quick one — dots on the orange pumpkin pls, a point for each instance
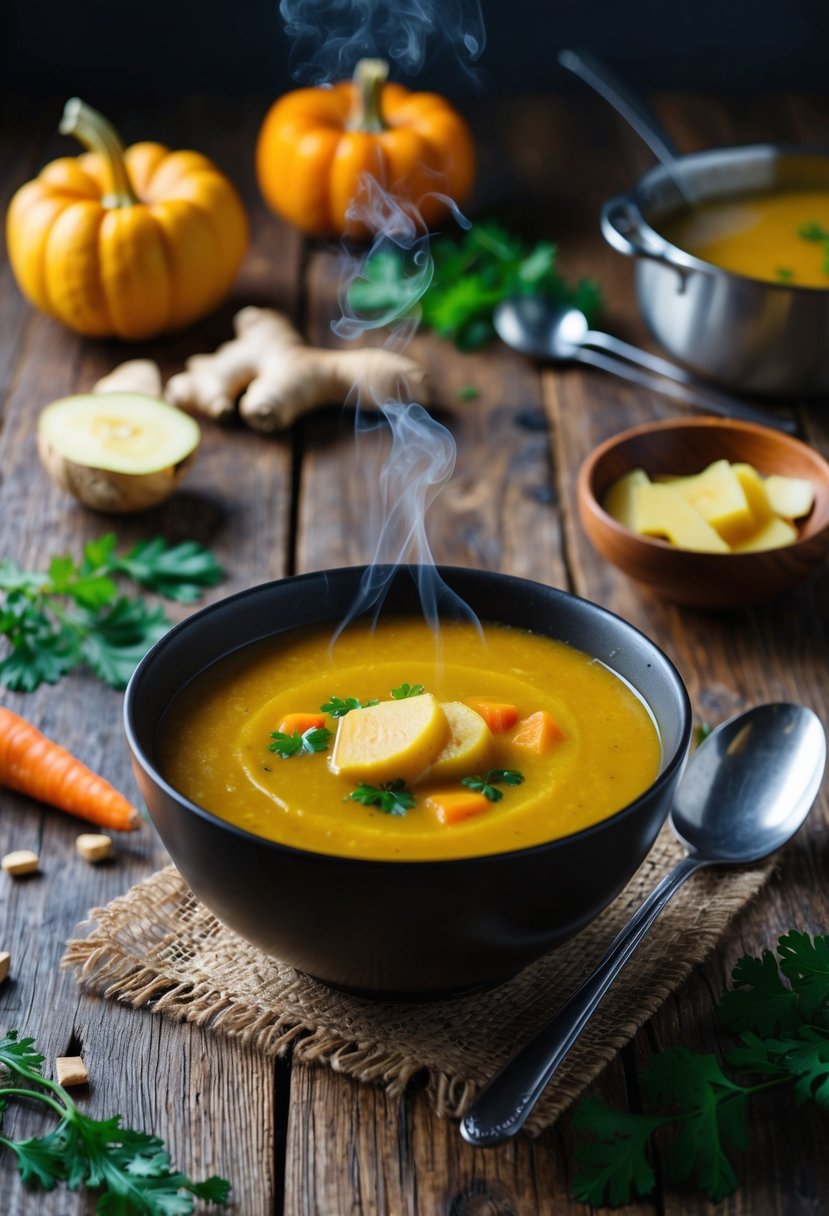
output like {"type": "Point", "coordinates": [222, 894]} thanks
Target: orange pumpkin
{"type": "Point", "coordinates": [128, 243]}
{"type": "Point", "coordinates": [317, 145]}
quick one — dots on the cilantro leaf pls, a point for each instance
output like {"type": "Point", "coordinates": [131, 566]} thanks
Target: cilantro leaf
{"type": "Point", "coordinates": [178, 572]}
{"type": "Point", "coordinates": [699, 1107]}
{"type": "Point", "coordinates": [130, 1169]}
{"type": "Point", "coordinates": [338, 707]}
{"type": "Point", "coordinates": [488, 785]}
{"type": "Point", "coordinates": [614, 1165]}
{"type": "Point", "coordinates": [805, 963]}
{"type": "Point", "coordinates": [295, 744]}
{"type": "Point", "coordinates": [471, 276]}
{"type": "Point", "coordinates": [404, 691]}
{"type": "Point", "coordinates": [115, 641]}
{"type": "Point", "coordinates": [710, 1108]}
{"type": "Point", "coordinates": [393, 798]}
{"type": "Point", "coordinates": [48, 637]}
{"type": "Point", "coordinates": [759, 1001]}
{"type": "Point", "coordinates": [808, 1062]}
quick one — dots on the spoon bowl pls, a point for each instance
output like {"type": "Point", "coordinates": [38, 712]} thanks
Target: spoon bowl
{"type": "Point", "coordinates": [745, 792]}
{"type": "Point", "coordinates": [559, 333]}
{"type": "Point", "coordinates": [748, 763]}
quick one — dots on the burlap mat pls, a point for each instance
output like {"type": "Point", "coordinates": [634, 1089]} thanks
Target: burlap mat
{"type": "Point", "coordinates": [159, 948]}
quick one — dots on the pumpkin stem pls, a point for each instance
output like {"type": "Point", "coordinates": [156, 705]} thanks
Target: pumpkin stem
{"type": "Point", "coordinates": [98, 134]}
{"type": "Point", "coordinates": [370, 76]}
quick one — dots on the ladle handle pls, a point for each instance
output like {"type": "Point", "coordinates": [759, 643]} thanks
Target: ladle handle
{"type": "Point", "coordinates": [673, 385]}
{"type": "Point", "coordinates": [502, 1108]}
{"type": "Point", "coordinates": [617, 93]}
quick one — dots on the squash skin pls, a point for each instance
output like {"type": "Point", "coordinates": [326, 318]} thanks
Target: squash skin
{"type": "Point", "coordinates": [310, 158]}
{"type": "Point", "coordinates": [142, 267]}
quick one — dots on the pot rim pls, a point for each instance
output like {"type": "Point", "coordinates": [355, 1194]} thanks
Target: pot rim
{"type": "Point", "coordinates": [680, 259]}
{"type": "Point", "coordinates": [140, 757]}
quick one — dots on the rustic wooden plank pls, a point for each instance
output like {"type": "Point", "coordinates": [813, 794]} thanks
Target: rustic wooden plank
{"type": "Point", "coordinates": [178, 1081]}
{"type": "Point", "coordinates": [496, 513]}
{"type": "Point", "coordinates": [777, 651]}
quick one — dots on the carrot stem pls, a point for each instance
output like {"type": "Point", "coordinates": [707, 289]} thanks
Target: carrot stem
{"type": "Point", "coordinates": [34, 765]}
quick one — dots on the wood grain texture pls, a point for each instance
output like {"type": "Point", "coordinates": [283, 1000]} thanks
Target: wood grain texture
{"type": "Point", "coordinates": [303, 1141]}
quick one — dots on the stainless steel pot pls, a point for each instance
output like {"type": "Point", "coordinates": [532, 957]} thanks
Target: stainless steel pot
{"type": "Point", "coordinates": [752, 336]}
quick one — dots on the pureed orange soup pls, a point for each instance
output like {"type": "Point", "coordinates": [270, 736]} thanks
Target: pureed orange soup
{"type": "Point", "coordinates": [546, 741]}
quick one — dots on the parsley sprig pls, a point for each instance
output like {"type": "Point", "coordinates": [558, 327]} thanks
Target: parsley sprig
{"type": "Point", "coordinates": [404, 691]}
{"type": "Point", "coordinates": [779, 1007]}
{"type": "Point", "coordinates": [488, 784]}
{"type": "Point", "coordinates": [75, 614]}
{"type": "Point", "coordinates": [338, 707]}
{"type": "Point", "coordinates": [308, 742]}
{"type": "Point", "coordinates": [393, 798]}
{"type": "Point", "coordinates": [130, 1170]}
{"type": "Point", "coordinates": [815, 232]}
{"type": "Point", "coordinates": [471, 277]}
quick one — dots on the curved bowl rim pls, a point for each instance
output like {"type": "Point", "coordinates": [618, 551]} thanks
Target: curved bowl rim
{"type": "Point", "coordinates": [586, 493]}
{"type": "Point", "coordinates": [663, 778]}
{"type": "Point", "coordinates": [690, 261]}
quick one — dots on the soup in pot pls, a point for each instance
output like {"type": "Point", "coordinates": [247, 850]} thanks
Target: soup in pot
{"type": "Point", "coordinates": [779, 237]}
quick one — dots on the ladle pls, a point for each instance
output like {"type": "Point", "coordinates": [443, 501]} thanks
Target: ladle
{"type": "Point", "coordinates": [745, 792]}
{"type": "Point", "coordinates": [539, 327]}
{"type": "Point", "coordinates": [631, 108]}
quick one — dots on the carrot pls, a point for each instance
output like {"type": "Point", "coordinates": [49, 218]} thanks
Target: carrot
{"type": "Point", "coordinates": [454, 807]}
{"type": "Point", "coordinates": [301, 722]}
{"type": "Point", "coordinates": [539, 733]}
{"type": "Point", "coordinates": [498, 715]}
{"type": "Point", "coordinates": [34, 765]}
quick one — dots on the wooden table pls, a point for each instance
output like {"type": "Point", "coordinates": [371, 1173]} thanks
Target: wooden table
{"type": "Point", "coordinates": [301, 1140]}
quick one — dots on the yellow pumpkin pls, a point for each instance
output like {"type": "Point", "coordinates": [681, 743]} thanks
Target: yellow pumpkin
{"type": "Point", "coordinates": [125, 243]}
{"type": "Point", "coordinates": [317, 146]}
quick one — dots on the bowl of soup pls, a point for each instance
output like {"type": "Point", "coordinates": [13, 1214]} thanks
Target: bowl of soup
{"type": "Point", "coordinates": [732, 264]}
{"type": "Point", "coordinates": [402, 808]}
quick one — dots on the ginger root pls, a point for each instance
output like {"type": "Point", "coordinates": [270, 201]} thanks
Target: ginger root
{"type": "Point", "coordinates": [134, 376]}
{"type": "Point", "coordinates": [280, 378]}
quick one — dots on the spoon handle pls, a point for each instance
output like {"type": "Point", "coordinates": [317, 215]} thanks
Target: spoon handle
{"type": "Point", "coordinates": [643, 372]}
{"type": "Point", "coordinates": [502, 1107]}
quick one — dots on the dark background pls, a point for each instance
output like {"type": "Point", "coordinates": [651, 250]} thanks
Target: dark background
{"type": "Point", "coordinates": [168, 48]}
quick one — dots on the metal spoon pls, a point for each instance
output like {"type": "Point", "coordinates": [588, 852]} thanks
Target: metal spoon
{"type": "Point", "coordinates": [630, 106]}
{"type": "Point", "coordinates": [547, 330]}
{"type": "Point", "coordinates": [745, 792]}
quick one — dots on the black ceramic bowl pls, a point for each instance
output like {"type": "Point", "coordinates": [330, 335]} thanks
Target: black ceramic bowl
{"type": "Point", "coordinates": [397, 929]}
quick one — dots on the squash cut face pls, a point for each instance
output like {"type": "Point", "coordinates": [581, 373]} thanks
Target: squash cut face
{"type": "Point", "coordinates": [122, 432]}
{"type": "Point", "coordinates": [116, 451]}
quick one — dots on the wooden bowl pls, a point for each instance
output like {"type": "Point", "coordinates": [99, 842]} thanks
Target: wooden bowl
{"type": "Point", "coordinates": [684, 446]}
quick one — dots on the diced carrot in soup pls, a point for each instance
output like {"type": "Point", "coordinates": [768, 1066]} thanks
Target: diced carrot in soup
{"type": "Point", "coordinates": [498, 715]}
{"type": "Point", "coordinates": [539, 733]}
{"type": "Point", "coordinates": [453, 806]}
{"type": "Point", "coordinates": [301, 723]}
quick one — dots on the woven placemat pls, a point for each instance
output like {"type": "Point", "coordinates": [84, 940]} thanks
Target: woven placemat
{"type": "Point", "coordinates": [158, 947]}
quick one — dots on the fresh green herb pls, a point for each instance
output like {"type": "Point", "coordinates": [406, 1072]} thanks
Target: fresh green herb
{"type": "Point", "coordinates": [130, 1170]}
{"type": "Point", "coordinates": [74, 613]}
{"type": "Point", "coordinates": [471, 277]}
{"type": "Point", "coordinates": [338, 707]}
{"type": "Point", "coordinates": [783, 1029]}
{"type": "Point", "coordinates": [702, 732]}
{"type": "Point", "coordinates": [467, 392]}
{"type": "Point", "coordinates": [308, 743]}
{"type": "Point", "coordinates": [813, 231]}
{"type": "Point", "coordinates": [406, 690]}
{"type": "Point", "coordinates": [392, 797]}
{"type": "Point", "coordinates": [488, 785]}
{"type": "Point", "coordinates": [784, 273]}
